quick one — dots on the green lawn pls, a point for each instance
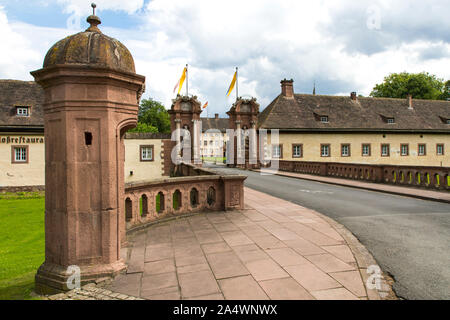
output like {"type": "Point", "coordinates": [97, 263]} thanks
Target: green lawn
{"type": "Point", "coordinates": [22, 243]}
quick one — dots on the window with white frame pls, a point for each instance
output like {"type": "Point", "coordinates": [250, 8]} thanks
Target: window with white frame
{"type": "Point", "coordinates": [276, 151]}
{"type": "Point", "coordinates": [385, 150]}
{"type": "Point", "coordinates": [422, 150]}
{"type": "Point", "coordinates": [146, 153]}
{"type": "Point", "coordinates": [20, 154]}
{"type": "Point", "coordinates": [297, 151]}
{"type": "Point", "coordinates": [404, 149]}
{"type": "Point", "coordinates": [390, 120]}
{"type": "Point", "coordinates": [23, 111]}
{"type": "Point", "coordinates": [325, 150]}
{"type": "Point", "coordinates": [324, 119]}
{"type": "Point", "coordinates": [440, 149]}
{"type": "Point", "coordinates": [345, 150]}
{"type": "Point", "coordinates": [366, 150]}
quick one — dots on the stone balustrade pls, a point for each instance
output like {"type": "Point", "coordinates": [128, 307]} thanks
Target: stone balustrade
{"type": "Point", "coordinates": [201, 190]}
{"type": "Point", "coordinates": [425, 177]}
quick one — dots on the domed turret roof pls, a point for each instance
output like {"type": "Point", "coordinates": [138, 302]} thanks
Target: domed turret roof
{"type": "Point", "coordinates": [91, 48]}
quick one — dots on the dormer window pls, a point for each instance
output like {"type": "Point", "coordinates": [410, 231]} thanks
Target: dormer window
{"type": "Point", "coordinates": [448, 121]}
{"type": "Point", "coordinates": [324, 119]}
{"type": "Point", "coordinates": [390, 120]}
{"type": "Point", "coordinates": [23, 111]}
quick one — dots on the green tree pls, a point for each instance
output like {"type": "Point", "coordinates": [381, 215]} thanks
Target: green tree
{"type": "Point", "coordinates": [153, 115]}
{"type": "Point", "coordinates": [143, 127]}
{"type": "Point", "coordinates": [446, 93]}
{"type": "Point", "coordinates": [419, 85]}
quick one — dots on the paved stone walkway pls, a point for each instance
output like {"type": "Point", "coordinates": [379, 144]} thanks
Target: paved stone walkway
{"type": "Point", "coordinates": [398, 190]}
{"type": "Point", "coordinates": [273, 249]}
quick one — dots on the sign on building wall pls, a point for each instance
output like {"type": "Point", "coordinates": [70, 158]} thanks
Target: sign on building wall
{"type": "Point", "coordinates": [20, 140]}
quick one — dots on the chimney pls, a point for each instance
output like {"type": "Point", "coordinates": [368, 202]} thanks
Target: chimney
{"type": "Point", "coordinates": [353, 95]}
{"type": "Point", "coordinates": [410, 102]}
{"type": "Point", "coordinates": [216, 116]}
{"type": "Point", "coordinates": [287, 88]}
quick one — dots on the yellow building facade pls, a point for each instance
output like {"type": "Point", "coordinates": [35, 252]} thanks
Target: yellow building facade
{"type": "Point", "coordinates": [143, 161]}
{"type": "Point", "coordinates": [22, 160]}
{"type": "Point", "coordinates": [418, 149]}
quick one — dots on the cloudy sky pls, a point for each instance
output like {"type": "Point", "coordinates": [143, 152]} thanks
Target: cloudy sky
{"type": "Point", "coordinates": [342, 45]}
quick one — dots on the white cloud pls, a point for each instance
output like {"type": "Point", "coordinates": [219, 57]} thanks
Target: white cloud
{"type": "Point", "coordinates": [17, 54]}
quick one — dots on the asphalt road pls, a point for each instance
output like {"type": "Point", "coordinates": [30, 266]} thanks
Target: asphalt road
{"type": "Point", "coordinates": [409, 238]}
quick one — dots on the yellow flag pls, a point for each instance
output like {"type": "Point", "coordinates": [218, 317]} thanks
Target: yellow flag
{"type": "Point", "coordinates": [179, 84]}
{"type": "Point", "coordinates": [233, 83]}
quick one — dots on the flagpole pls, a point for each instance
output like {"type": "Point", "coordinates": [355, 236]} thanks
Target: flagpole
{"type": "Point", "coordinates": [237, 84]}
{"type": "Point", "coordinates": [187, 80]}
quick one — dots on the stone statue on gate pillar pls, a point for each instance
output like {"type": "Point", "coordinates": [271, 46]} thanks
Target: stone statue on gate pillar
{"type": "Point", "coordinates": [92, 95]}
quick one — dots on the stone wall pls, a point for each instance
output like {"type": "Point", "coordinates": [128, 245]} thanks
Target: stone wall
{"type": "Point", "coordinates": [417, 176]}
{"type": "Point", "coordinates": [22, 189]}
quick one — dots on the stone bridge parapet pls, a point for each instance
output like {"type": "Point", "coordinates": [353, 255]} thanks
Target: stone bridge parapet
{"type": "Point", "coordinates": [417, 176]}
{"type": "Point", "coordinates": [192, 190]}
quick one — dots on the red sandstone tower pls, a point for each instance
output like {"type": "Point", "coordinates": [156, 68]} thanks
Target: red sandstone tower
{"type": "Point", "coordinates": [243, 116]}
{"type": "Point", "coordinates": [92, 94]}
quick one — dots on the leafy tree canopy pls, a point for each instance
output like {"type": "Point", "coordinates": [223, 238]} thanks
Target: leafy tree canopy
{"type": "Point", "coordinates": [153, 117]}
{"type": "Point", "coordinates": [143, 127]}
{"type": "Point", "coordinates": [419, 85]}
{"type": "Point", "coordinates": [446, 93]}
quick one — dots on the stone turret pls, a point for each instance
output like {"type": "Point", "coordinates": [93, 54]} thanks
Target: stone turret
{"type": "Point", "coordinates": [92, 96]}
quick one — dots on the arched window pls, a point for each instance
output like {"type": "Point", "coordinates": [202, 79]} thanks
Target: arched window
{"type": "Point", "coordinates": [176, 198]}
{"type": "Point", "coordinates": [143, 205]}
{"type": "Point", "coordinates": [211, 196]}
{"type": "Point", "coordinates": [437, 179]}
{"type": "Point", "coordinates": [194, 198]}
{"type": "Point", "coordinates": [160, 202]}
{"type": "Point", "coordinates": [128, 209]}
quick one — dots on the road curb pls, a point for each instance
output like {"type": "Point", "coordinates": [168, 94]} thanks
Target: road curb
{"type": "Point", "coordinates": [364, 260]}
{"type": "Point", "coordinates": [421, 197]}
